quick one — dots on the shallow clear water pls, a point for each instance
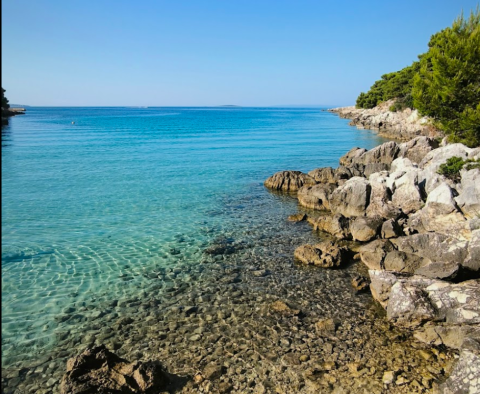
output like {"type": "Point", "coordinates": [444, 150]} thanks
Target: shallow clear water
{"type": "Point", "coordinates": [90, 210]}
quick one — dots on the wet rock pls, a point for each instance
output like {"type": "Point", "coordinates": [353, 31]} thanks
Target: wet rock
{"type": "Point", "coordinates": [316, 197]}
{"type": "Point", "coordinates": [97, 370]}
{"type": "Point", "coordinates": [336, 225]}
{"type": "Point", "coordinates": [325, 326]}
{"type": "Point", "coordinates": [283, 308]}
{"type": "Point", "coordinates": [323, 175]}
{"type": "Point", "coordinates": [213, 371]}
{"type": "Point", "coordinates": [299, 217]}
{"type": "Point", "coordinates": [289, 181]}
{"type": "Point", "coordinates": [360, 283]}
{"type": "Point", "coordinates": [364, 229]}
{"type": "Point", "coordinates": [352, 198]}
{"type": "Point", "coordinates": [326, 254]}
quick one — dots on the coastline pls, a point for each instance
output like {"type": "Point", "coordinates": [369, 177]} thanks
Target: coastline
{"type": "Point", "coordinates": [400, 125]}
{"type": "Point", "coordinates": [419, 232]}
{"type": "Point", "coordinates": [246, 319]}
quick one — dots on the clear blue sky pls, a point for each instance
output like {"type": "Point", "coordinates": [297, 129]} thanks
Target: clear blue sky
{"type": "Point", "coordinates": [195, 53]}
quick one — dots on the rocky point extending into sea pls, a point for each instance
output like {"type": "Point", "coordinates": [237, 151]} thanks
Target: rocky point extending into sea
{"type": "Point", "coordinates": [416, 231]}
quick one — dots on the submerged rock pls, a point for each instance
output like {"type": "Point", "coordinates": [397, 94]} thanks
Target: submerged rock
{"type": "Point", "coordinates": [97, 370]}
{"type": "Point", "coordinates": [326, 254]}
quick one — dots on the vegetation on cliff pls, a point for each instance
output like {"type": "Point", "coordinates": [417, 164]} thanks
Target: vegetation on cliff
{"type": "Point", "coordinates": [444, 84]}
{"type": "Point", "coordinates": [5, 104]}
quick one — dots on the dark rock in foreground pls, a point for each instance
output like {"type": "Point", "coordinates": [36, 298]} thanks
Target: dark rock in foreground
{"type": "Point", "coordinates": [97, 370]}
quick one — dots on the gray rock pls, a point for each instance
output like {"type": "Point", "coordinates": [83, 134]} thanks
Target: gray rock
{"type": "Point", "coordinates": [407, 195]}
{"type": "Point", "coordinates": [374, 253]}
{"type": "Point", "coordinates": [408, 306]}
{"type": "Point", "coordinates": [384, 153]}
{"type": "Point", "coordinates": [336, 225]}
{"type": "Point", "coordinates": [472, 260]}
{"type": "Point", "coordinates": [288, 181]}
{"type": "Point", "coordinates": [316, 197]}
{"type": "Point", "coordinates": [373, 168]}
{"type": "Point", "coordinates": [417, 148]}
{"type": "Point", "coordinates": [352, 198]}
{"type": "Point", "coordinates": [352, 154]}
{"type": "Point", "coordinates": [469, 198]}
{"type": "Point", "coordinates": [323, 175]}
{"type": "Point", "coordinates": [391, 229]}
{"type": "Point", "coordinates": [326, 254]}
{"type": "Point", "coordinates": [441, 213]}
{"type": "Point", "coordinates": [464, 377]}
{"type": "Point", "coordinates": [364, 229]}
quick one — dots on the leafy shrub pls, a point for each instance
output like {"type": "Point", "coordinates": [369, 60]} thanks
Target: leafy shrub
{"type": "Point", "coordinates": [452, 167]}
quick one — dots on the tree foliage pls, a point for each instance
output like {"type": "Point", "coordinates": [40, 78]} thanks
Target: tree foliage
{"type": "Point", "coordinates": [5, 104]}
{"type": "Point", "coordinates": [444, 84]}
{"type": "Point", "coordinates": [447, 86]}
{"type": "Point", "coordinates": [393, 85]}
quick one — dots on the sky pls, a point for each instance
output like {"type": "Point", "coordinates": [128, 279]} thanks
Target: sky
{"type": "Point", "coordinates": [208, 53]}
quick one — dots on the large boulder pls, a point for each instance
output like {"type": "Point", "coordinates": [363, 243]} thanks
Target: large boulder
{"type": "Point", "coordinates": [289, 181]}
{"type": "Point", "coordinates": [364, 229]}
{"type": "Point", "coordinates": [406, 192]}
{"type": "Point", "coordinates": [351, 155]}
{"type": "Point", "coordinates": [384, 153]}
{"type": "Point", "coordinates": [316, 196]}
{"type": "Point", "coordinates": [408, 306]}
{"type": "Point", "coordinates": [469, 198]}
{"type": "Point", "coordinates": [326, 254]}
{"type": "Point", "coordinates": [381, 204]}
{"type": "Point", "coordinates": [454, 303]}
{"type": "Point", "coordinates": [97, 370]}
{"type": "Point", "coordinates": [417, 148]}
{"type": "Point", "coordinates": [352, 198]}
{"type": "Point", "coordinates": [429, 177]}
{"type": "Point", "coordinates": [323, 175]}
{"type": "Point", "coordinates": [336, 225]}
{"type": "Point", "coordinates": [441, 213]}
{"type": "Point", "coordinates": [472, 260]}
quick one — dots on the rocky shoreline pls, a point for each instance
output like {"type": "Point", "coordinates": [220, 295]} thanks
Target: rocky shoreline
{"type": "Point", "coordinates": [9, 112]}
{"type": "Point", "coordinates": [248, 319]}
{"type": "Point", "coordinates": [399, 125]}
{"type": "Point", "coordinates": [417, 233]}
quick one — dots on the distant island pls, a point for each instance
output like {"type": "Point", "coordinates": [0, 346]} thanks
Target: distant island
{"type": "Point", "coordinates": [230, 105]}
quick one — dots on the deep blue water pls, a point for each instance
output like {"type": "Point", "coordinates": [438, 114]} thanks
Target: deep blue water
{"type": "Point", "coordinates": [89, 206]}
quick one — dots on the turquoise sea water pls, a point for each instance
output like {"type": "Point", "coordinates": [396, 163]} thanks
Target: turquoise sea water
{"type": "Point", "coordinates": [90, 209]}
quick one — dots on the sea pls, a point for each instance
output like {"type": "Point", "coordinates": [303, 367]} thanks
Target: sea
{"type": "Point", "coordinates": [99, 202]}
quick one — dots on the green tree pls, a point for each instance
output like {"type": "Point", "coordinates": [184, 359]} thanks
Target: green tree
{"type": "Point", "coordinates": [393, 85]}
{"type": "Point", "coordinates": [5, 104]}
{"type": "Point", "coordinates": [447, 85]}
